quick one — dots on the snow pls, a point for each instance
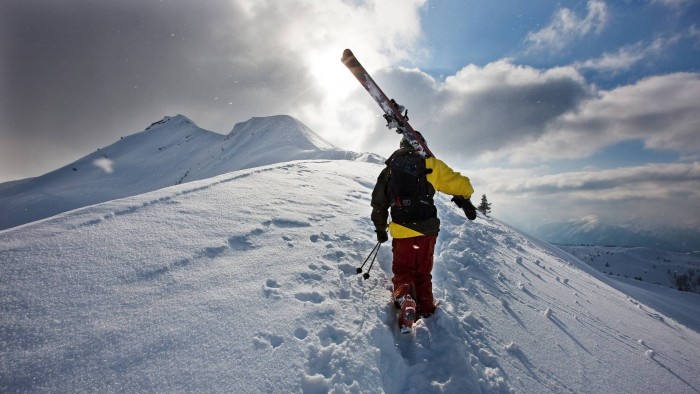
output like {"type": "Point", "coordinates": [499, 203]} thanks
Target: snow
{"type": "Point", "coordinates": [644, 264]}
{"type": "Point", "coordinates": [648, 275]}
{"type": "Point", "coordinates": [246, 282]}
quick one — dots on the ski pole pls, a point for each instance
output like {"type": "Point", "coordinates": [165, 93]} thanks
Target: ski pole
{"type": "Point", "coordinates": [359, 269]}
{"type": "Point", "coordinates": [366, 275]}
{"type": "Point", "coordinates": [374, 251]}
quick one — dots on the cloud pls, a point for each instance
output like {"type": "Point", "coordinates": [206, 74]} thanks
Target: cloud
{"type": "Point", "coordinates": [694, 34]}
{"type": "Point", "coordinates": [629, 55]}
{"type": "Point", "coordinates": [623, 59]}
{"type": "Point", "coordinates": [663, 111]}
{"type": "Point", "coordinates": [502, 105]}
{"type": "Point", "coordinates": [524, 115]}
{"type": "Point", "coordinates": [655, 180]}
{"type": "Point", "coordinates": [566, 26]}
{"type": "Point", "coordinates": [648, 194]}
{"type": "Point", "coordinates": [677, 5]}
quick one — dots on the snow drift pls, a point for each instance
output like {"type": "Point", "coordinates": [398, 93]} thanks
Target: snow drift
{"type": "Point", "coordinates": [245, 282]}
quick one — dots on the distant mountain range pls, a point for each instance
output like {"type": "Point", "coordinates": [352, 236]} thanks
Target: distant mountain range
{"type": "Point", "coordinates": [171, 151]}
{"type": "Point", "coordinates": [591, 231]}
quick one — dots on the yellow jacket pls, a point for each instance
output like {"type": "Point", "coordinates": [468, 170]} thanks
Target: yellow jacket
{"type": "Point", "coordinates": [439, 175]}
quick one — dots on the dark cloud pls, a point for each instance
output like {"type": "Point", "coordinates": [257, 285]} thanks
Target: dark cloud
{"type": "Point", "coordinates": [79, 74]}
{"type": "Point", "coordinates": [505, 116]}
{"type": "Point", "coordinates": [498, 107]}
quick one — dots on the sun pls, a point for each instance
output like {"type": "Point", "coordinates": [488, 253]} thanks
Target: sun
{"type": "Point", "coordinates": [331, 76]}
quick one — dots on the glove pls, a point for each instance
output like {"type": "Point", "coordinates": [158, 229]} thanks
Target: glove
{"type": "Point", "coordinates": [382, 236]}
{"type": "Point", "coordinates": [466, 205]}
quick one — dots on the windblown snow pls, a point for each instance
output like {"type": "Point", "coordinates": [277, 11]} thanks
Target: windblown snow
{"type": "Point", "coordinates": [246, 282]}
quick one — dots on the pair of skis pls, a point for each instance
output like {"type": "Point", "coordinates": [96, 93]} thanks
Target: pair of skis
{"type": "Point", "coordinates": [392, 111]}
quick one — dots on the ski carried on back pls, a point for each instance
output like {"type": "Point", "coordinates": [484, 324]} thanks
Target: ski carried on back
{"type": "Point", "coordinates": [397, 117]}
{"type": "Point", "coordinates": [392, 111]}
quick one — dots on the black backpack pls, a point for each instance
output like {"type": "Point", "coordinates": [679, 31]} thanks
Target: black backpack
{"type": "Point", "coordinates": [410, 193]}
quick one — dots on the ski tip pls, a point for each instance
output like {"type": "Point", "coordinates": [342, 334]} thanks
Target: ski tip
{"type": "Point", "coordinates": [347, 54]}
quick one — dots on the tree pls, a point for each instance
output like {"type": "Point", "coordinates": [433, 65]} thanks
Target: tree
{"type": "Point", "coordinates": [485, 206]}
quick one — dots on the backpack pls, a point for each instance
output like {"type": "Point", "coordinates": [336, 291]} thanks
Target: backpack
{"type": "Point", "coordinates": [410, 194]}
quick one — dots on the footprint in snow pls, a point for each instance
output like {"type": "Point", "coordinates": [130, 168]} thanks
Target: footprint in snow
{"type": "Point", "coordinates": [324, 267]}
{"type": "Point", "coordinates": [308, 276]}
{"type": "Point", "coordinates": [244, 241]}
{"type": "Point", "coordinates": [272, 283]}
{"type": "Point", "coordinates": [214, 251]}
{"type": "Point", "coordinates": [270, 289]}
{"type": "Point", "coordinates": [264, 340]}
{"type": "Point", "coordinates": [331, 335]}
{"type": "Point", "coordinates": [300, 333]}
{"type": "Point", "coordinates": [312, 276]}
{"type": "Point", "coordinates": [286, 223]}
{"type": "Point", "coordinates": [314, 297]}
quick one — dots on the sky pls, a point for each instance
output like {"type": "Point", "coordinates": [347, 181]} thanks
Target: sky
{"type": "Point", "coordinates": [555, 110]}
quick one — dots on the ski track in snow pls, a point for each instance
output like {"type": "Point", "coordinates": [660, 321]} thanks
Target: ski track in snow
{"type": "Point", "coordinates": [213, 285]}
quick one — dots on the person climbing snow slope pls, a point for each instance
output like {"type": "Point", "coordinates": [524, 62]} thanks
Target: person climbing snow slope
{"type": "Point", "coordinates": [405, 188]}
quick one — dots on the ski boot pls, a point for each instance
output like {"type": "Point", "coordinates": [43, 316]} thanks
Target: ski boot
{"type": "Point", "coordinates": [407, 313]}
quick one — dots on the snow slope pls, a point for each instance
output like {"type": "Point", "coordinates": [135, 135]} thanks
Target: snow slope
{"type": "Point", "coordinates": [648, 265]}
{"type": "Point", "coordinates": [171, 151]}
{"type": "Point", "coordinates": [246, 282]}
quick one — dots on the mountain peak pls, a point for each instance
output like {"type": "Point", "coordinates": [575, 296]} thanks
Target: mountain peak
{"type": "Point", "coordinates": [171, 121]}
{"type": "Point", "coordinates": [278, 131]}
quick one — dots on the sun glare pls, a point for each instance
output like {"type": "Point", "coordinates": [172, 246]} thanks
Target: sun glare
{"type": "Point", "coordinates": [331, 76]}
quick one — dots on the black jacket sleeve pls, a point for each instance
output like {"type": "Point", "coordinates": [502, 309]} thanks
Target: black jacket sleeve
{"type": "Point", "coordinates": [380, 201]}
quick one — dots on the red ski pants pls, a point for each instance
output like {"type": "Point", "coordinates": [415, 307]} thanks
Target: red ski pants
{"type": "Point", "coordinates": [412, 267]}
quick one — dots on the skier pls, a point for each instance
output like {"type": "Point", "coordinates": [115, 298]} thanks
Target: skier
{"type": "Point", "coordinates": [406, 187]}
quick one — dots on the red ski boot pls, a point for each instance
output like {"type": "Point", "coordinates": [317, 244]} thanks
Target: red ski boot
{"type": "Point", "coordinates": [407, 314]}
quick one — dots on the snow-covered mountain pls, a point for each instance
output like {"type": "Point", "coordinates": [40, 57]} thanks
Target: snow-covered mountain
{"type": "Point", "coordinates": [591, 231]}
{"type": "Point", "coordinates": [171, 151]}
{"type": "Point", "coordinates": [679, 271]}
{"type": "Point", "coordinates": [246, 282]}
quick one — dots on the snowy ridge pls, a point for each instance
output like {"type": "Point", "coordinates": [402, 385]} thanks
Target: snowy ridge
{"type": "Point", "coordinates": [171, 151]}
{"type": "Point", "coordinates": [284, 139]}
{"type": "Point", "coordinates": [281, 131]}
{"type": "Point", "coordinates": [247, 280]}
